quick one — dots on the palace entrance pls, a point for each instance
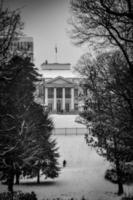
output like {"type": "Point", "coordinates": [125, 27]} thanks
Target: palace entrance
{"type": "Point", "coordinates": [59, 109]}
{"type": "Point", "coordinates": [67, 107]}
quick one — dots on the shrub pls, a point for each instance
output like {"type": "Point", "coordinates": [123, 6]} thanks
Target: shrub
{"type": "Point", "coordinates": [127, 175]}
{"type": "Point", "coordinates": [18, 196]}
{"type": "Point", "coordinates": [127, 198]}
{"type": "Point", "coordinates": [111, 175]}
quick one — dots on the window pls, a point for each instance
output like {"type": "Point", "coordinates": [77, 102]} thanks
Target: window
{"type": "Point", "coordinates": [76, 106]}
{"type": "Point", "coordinates": [21, 45]}
{"type": "Point", "coordinates": [30, 46]}
{"type": "Point", "coordinates": [59, 92]}
{"type": "Point", "coordinates": [50, 93]}
{"type": "Point", "coordinates": [50, 107]}
{"type": "Point", "coordinates": [68, 93]}
{"type": "Point", "coordinates": [40, 91]}
{"type": "Point", "coordinates": [76, 92]}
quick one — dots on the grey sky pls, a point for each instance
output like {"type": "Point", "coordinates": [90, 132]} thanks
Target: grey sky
{"type": "Point", "coordinates": [46, 22]}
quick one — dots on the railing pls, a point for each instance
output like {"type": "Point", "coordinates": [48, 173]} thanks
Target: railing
{"type": "Point", "coordinates": [70, 131]}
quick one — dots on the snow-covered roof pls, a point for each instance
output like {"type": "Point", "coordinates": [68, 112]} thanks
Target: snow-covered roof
{"type": "Point", "coordinates": [53, 70]}
{"type": "Point", "coordinates": [55, 73]}
{"type": "Point", "coordinates": [55, 66]}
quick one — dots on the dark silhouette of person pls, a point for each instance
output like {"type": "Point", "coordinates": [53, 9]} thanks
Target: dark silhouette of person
{"type": "Point", "coordinates": [64, 163]}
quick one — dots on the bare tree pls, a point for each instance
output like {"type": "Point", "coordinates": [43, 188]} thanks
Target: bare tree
{"type": "Point", "coordinates": [104, 23]}
{"type": "Point", "coordinates": [105, 83]}
{"type": "Point", "coordinates": [10, 29]}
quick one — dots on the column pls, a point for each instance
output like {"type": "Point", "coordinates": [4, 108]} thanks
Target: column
{"type": "Point", "coordinates": [46, 96]}
{"type": "Point", "coordinates": [72, 98]}
{"type": "Point", "coordinates": [55, 103]}
{"type": "Point", "coordinates": [63, 100]}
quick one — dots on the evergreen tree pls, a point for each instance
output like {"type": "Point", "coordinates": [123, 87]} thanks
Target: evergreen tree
{"type": "Point", "coordinates": [45, 156]}
{"type": "Point", "coordinates": [10, 23]}
{"type": "Point", "coordinates": [26, 129]}
{"type": "Point", "coordinates": [20, 146]}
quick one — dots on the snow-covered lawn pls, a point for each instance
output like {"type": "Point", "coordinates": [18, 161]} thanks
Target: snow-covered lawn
{"type": "Point", "coordinates": [65, 121]}
{"type": "Point", "coordinates": [83, 175]}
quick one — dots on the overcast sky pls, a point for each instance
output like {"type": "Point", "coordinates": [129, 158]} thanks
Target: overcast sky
{"type": "Point", "coordinates": [46, 22]}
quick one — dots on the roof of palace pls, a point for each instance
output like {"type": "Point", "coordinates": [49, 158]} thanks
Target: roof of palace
{"type": "Point", "coordinates": [52, 70]}
{"type": "Point", "coordinates": [55, 66]}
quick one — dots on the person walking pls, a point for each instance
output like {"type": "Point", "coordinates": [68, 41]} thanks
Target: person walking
{"type": "Point", "coordinates": [64, 163]}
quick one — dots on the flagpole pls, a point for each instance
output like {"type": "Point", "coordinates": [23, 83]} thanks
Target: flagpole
{"type": "Point", "coordinates": [56, 51]}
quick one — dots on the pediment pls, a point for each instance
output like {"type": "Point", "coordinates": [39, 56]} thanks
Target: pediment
{"type": "Point", "coordinates": [59, 81]}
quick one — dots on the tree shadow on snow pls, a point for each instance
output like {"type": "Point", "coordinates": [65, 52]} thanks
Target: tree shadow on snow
{"type": "Point", "coordinates": [42, 183]}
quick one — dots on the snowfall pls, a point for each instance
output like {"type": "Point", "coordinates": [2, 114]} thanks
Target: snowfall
{"type": "Point", "coordinates": [83, 175]}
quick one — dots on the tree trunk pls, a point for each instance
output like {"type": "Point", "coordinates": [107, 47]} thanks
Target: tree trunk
{"type": "Point", "coordinates": [118, 169]}
{"type": "Point", "coordinates": [38, 176]}
{"type": "Point", "coordinates": [119, 178]}
{"type": "Point", "coordinates": [17, 178]}
{"type": "Point", "coordinates": [10, 182]}
{"type": "Point", "coordinates": [120, 188]}
{"type": "Point", "coordinates": [10, 186]}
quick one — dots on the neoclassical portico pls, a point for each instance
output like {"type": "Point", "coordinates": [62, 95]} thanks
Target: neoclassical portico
{"type": "Point", "coordinates": [63, 101]}
{"type": "Point", "coordinates": [60, 95]}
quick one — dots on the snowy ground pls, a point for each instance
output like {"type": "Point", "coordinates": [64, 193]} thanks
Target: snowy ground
{"type": "Point", "coordinates": [83, 175]}
{"type": "Point", "coordinates": [66, 121]}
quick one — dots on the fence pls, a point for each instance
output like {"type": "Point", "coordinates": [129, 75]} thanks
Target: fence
{"type": "Point", "coordinates": [70, 131]}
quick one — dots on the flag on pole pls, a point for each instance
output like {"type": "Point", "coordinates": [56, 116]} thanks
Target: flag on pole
{"type": "Point", "coordinates": [55, 48]}
{"type": "Point", "coordinates": [56, 51]}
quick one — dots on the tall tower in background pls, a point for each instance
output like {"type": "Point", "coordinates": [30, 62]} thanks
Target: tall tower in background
{"type": "Point", "coordinates": [23, 46]}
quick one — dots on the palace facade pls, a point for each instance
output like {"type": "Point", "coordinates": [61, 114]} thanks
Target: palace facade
{"type": "Point", "coordinates": [59, 89]}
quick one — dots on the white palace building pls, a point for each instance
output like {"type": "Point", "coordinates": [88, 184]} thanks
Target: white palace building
{"type": "Point", "coordinates": [59, 88]}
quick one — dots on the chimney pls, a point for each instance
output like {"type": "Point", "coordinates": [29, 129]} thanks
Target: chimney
{"type": "Point", "coordinates": [46, 62]}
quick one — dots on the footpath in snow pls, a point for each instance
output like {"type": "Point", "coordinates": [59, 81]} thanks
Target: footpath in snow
{"type": "Point", "coordinates": [83, 174]}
